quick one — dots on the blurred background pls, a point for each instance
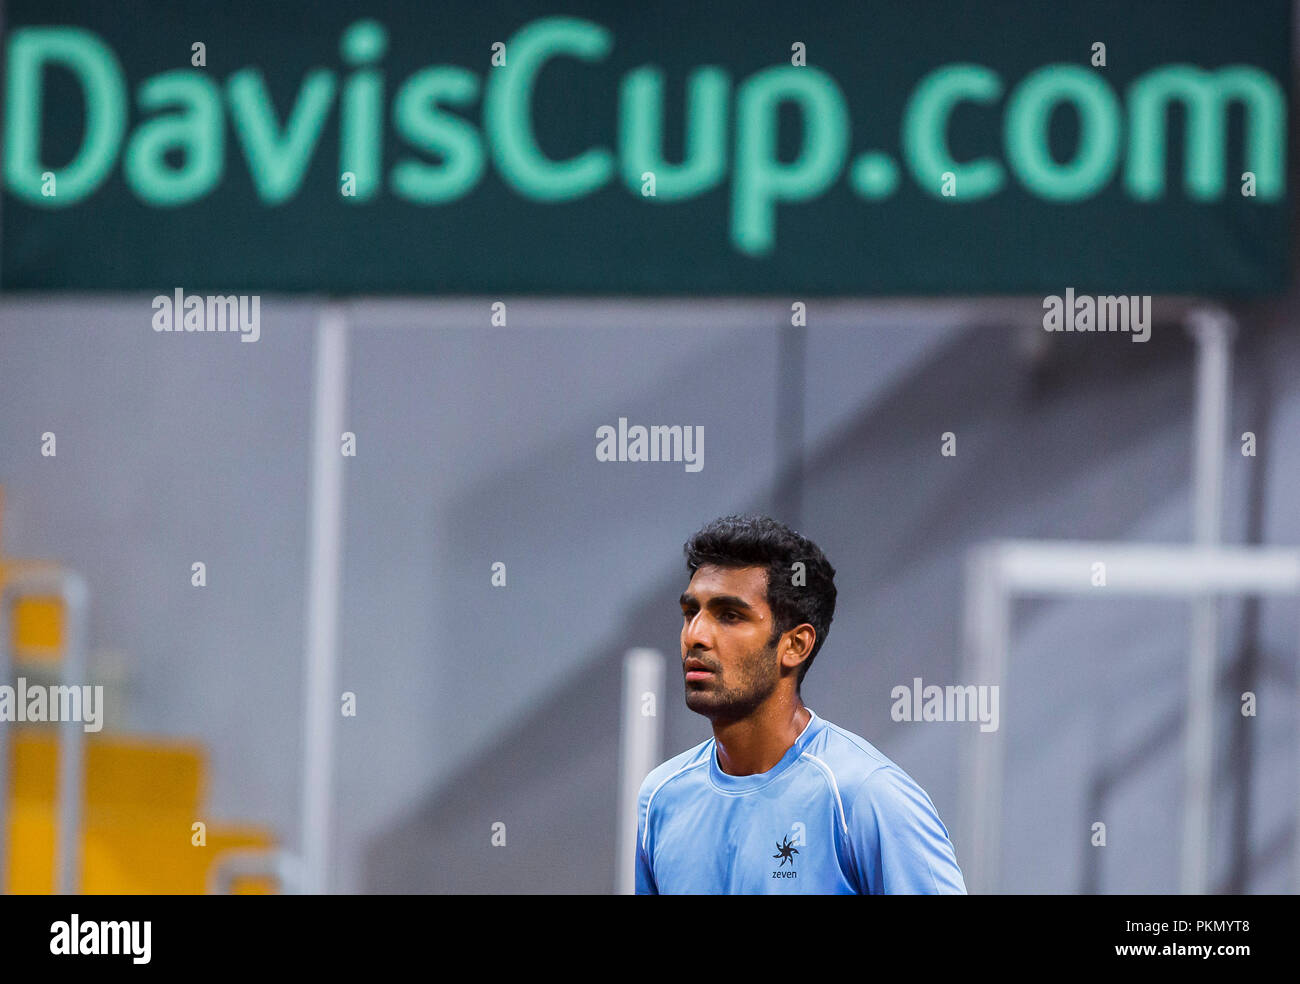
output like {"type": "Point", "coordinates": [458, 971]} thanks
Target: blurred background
{"type": "Point", "coordinates": [827, 336]}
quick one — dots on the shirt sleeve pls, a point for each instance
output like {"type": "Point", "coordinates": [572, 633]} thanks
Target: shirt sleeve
{"type": "Point", "coordinates": [645, 879]}
{"type": "Point", "coordinates": [900, 845]}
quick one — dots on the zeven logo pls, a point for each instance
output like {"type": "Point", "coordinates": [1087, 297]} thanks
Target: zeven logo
{"type": "Point", "coordinates": [786, 852]}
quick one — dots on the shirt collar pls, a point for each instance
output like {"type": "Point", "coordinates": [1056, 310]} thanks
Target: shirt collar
{"type": "Point", "coordinates": [744, 784]}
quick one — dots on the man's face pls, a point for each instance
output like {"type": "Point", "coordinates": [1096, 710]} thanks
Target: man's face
{"type": "Point", "coordinates": [729, 654]}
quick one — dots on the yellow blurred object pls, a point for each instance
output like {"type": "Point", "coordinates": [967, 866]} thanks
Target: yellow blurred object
{"type": "Point", "coordinates": [142, 797]}
{"type": "Point", "coordinates": [38, 629]}
{"type": "Point", "coordinates": [37, 626]}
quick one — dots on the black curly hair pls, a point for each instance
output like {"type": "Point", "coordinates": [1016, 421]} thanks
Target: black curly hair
{"type": "Point", "coordinates": [760, 541]}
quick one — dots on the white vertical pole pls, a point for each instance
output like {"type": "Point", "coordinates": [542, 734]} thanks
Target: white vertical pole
{"type": "Point", "coordinates": [987, 621]}
{"type": "Point", "coordinates": [72, 737]}
{"type": "Point", "coordinates": [70, 792]}
{"type": "Point", "coordinates": [324, 559]}
{"type": "Point", "coordinates": [8, 594]}
{"type": "Point", "coordinates": [1212, 329]}
{"type": "Point", "coordinates": [640, 750]}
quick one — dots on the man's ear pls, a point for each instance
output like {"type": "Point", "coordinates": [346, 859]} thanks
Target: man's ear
{"type": "Point", "coordinates": [797, 645]}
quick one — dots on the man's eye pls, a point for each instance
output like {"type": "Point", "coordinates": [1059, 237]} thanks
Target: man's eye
{"type": "Point", "coordinates": [730, 617]}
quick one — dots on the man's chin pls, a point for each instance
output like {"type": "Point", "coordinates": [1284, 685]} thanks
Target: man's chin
{"type": "Point", "coordinates": [697, 700]}
{"type": "Point", "coordinates": [717, 707]}
{"type": "Point", "coordinates": [702, 702]}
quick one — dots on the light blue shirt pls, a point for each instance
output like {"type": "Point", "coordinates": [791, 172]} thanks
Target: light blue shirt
{"type": "Point", "coordinates": [833, 817]}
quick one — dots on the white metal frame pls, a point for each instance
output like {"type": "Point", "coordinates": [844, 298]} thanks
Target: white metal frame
{"type": "Point", "coordinates": [1000, 572]}
{"type": "Point", "coordinates": [283, 866]}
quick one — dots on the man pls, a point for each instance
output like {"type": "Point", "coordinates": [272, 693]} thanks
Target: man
{"type": "Point", "coordinates": [779, 800]}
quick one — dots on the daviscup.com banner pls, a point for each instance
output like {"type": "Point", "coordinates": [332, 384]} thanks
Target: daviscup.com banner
{"type": "Point", "coordinates": [670, 148]}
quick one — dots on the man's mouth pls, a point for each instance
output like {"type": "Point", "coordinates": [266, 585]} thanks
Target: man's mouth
{"type": "Point", "coordinates": [697, 670]}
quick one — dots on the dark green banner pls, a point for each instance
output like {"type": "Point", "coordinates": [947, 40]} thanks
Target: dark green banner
{"type": "Point", "coordinates": [670, 148]}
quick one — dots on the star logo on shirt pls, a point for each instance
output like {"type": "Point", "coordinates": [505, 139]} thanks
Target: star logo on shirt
{"type": "Point", "coordinates": [786, 852]}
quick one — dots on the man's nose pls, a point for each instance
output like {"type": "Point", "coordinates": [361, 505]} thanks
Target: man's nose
{"type": "Point", "coordinates": [695, 633]}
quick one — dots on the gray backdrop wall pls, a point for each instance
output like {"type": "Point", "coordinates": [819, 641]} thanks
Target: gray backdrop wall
{"type": "Point", "coordinates": [476, 444]}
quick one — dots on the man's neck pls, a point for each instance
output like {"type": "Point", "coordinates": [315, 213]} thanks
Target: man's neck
{"type": "Point", "coordinates": [758, 742]}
